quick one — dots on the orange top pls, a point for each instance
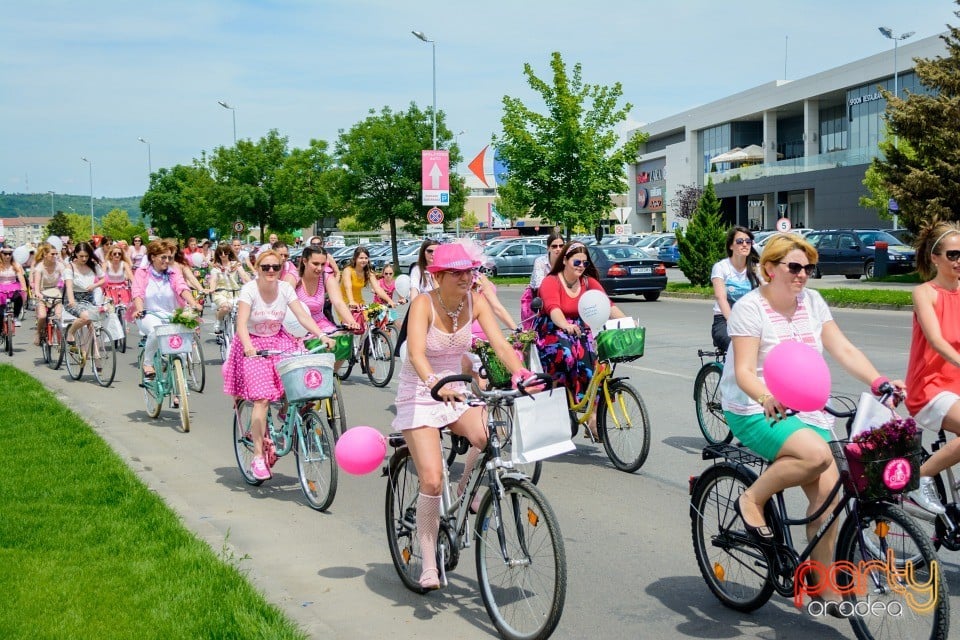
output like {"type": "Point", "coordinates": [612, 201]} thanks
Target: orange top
{"type": "Point", "coordinates": [927, 372]}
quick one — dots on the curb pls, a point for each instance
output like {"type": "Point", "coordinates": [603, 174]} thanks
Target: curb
{"type": "Point", "coordinates": [844, 305]}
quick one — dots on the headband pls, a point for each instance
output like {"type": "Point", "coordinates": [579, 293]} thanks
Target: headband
{"type": "Point", "coordinates": [575, 245]}
{"type": "Point", "coordinates": [942, 236]}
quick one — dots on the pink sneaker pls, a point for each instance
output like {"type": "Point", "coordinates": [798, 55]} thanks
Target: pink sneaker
{"type": "Point", "coordinates": [259, 469]}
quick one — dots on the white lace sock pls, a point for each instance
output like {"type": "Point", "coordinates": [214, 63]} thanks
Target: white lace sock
{"type": "Point", "coordinates": [468, 464]}
{"type": "Point", "coordinates": [428, 526]}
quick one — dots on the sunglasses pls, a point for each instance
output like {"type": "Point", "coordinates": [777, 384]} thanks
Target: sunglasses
{"type": "Point", "coordinates": [116, 255]}
{"type": "Point", "coordinates": [795, 268]}
{"type": "Point", "coordinates": [557, 246]}
{"type": "Point", "coordinates": [459, 273]}
{"type": "Point", "coordinates": [746, 241]}
{"type": "Point", "coordinates": [164, 257]}
{"type": "Point", "coordinates": [581, 263]}
{"type": "Point", "coordinates": [266, 268]}
{"type": "Point", "coordinates": [952, 255]}
{"type": "Point", "coordinates": [315, 245]}
{"type": "Point", "coordinates": [428, 251]}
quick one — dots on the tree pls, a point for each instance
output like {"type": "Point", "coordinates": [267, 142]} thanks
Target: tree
{"type": "Point", "coordinates": [178, 201]}
{"type": "Point", "coordinates": [879, 198]}
{"type": "Point", "coordinates": [701, 245]}
{"type": "Point", "coordinates": [381, 178]}
{"type": "Point", "coordinates": [302, 187]}
{"type": "Point", "coordinates": [564, 164]}
{"type": "Point", "coordinates": [58, 225]}
{"type": "Point", "coordinates": [79, 227]}
{"type": "Point", "coordinates": [117, 225]}
{"type": "Point", "coordinates": [926, 185]}
{"type": "Point", "coordinates": [684, 204]}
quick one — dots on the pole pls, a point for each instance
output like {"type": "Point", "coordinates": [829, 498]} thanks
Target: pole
{"type": "Point", "coordinates": [51, 204]}
{"type": "Point", "coordinates": [233, 112]}
{"type": "Point", "coordinates": [433, 45]}
{"type": "Point", "coordinates": [93, 229]}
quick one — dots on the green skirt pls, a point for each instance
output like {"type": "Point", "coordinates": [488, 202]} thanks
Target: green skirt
{"type": "Point", "coordinates": [765, 437]}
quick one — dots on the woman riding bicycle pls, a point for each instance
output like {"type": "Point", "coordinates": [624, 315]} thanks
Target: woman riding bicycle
{"type": "Point", "coordinates": [119, 275]}
{"type": "Point", "coordinates": [564, 340]}
{"type": "Point", "coordinates": [13, 286]}
{"type": "Point", "coordinates": [226, 277]}
{"type": "Point", "coordinates": [356, 276]}
{"type": "Point", "coordinates": [421, 280]}
{"type": "Point", "coordinates": [780, 310]}
{"type": "Point", "coordinates": [541, 269]}
{"type": "Point", "coordinates": [263, 304]}
{"type": "Point", "coordinates": [317, 282]}
{"type": "Point", "coordinates": [933, 371]}
{"type": "Point", "coordinates": [137, 253]}
{"type": "Point", "coordinates": [732, 277]}
{"type": "Point", "coordinates": [438, 335]}
{"type": "Point", "coordinates": [158, 287]}
{"type": "Point", "coordinates": [81, 277]}
{"type": "Point", "coordinates": [289, 272]}
{"type": "Point", "coordinates": [47, 277]}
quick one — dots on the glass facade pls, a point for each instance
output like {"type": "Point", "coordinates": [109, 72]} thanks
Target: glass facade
{"type": "Point", "coordinates": [866, 106]}
{"type": "Point", "coordinates": [833, 129]}
{"type": "Point", "coordinates": [713, 142]}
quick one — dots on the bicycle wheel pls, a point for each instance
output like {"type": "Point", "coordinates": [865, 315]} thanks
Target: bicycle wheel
{"type": "Point", "coordinates": [624, 426]}
{"type": "Point", "coordinates": [403, 487]}
{"type": "Point", "coordinates": [523, 592]}
{"type": "Point", "coordinates": [196, 369]}
{"type": "Point", "coordinates": [315, 463]}
{"type": "Point", "coordinates": [503, 419]}
{"type": "Point", "coordinates": [225, 337]}
{"type": "Point", "coordinates": [333, 408]}
{"type": "Point", "coordinates": [45, 350]}
{"type": "Point", "coordinates": [735, 570]}
{"type": "Point", "coordinates": [243, 441]}
{"type": "Point", "coordinates": [121, 344]}
{"type": "Point", "coordinates": [378, 355]}
{"type": "Point", "coordinates": [11, 330]}
{"type": "Point", "coordinates": [706, 398]}
{"type": "Point", "coordinates": [74, 354]}
{"type": "Point", "coordinates": [152, 398]}
{"type": "Point", "coordinates": [180, 389]}
{"type": "Point", "coordinates": [906, 611]}
{"type": "Point", "coordinates": [103, 359]}
{"type": "Point", "coordinates": [55, 342]}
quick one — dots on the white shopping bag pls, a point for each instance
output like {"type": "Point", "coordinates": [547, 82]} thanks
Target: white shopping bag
{"type": "Point", "coordinates": [542, 426]}
{"type": "Point", "coordinates": [533, 360]}
{"type": "Point", "coordinates": [112, 327]}
{"type": "Point", "coordinates": [871, 413]}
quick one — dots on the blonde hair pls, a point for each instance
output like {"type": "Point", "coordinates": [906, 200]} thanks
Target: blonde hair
{"type": "Point", "coordinates": [778, 246]}
{"type": "Point", "coordinates": [269, 253]}
{"type": "Point", "coordinates": [927, 242]}
{"type": "Point", "coordinates": [42, 252]}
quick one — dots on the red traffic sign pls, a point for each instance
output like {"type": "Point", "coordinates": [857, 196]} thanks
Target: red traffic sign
{"type": "Point", "coordinates": [238, 227]}
{"type": "Point", "coordinates": [435, 215]}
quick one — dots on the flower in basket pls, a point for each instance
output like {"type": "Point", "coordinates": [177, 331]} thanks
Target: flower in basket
{"type": "Point", "coordinates": [886, 460]}
{"type": "Point", "coordinates": [186, 317]}
{"type": "Point", "coordinates": [521, 341]}
{"type": "Point", "coordinates": [373, 311]}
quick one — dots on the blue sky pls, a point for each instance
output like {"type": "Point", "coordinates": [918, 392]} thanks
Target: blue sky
{"type": "Point", "coordinates": [90, 78]}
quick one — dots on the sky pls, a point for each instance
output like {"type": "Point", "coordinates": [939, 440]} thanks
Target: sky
{"type": "Point", "coordinates": [88, 79]}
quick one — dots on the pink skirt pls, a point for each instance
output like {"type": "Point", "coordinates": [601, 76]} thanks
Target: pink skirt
{"type": "Point", "coordinates": [256, 378]}
{"type": "Point", "coordinates": [119, 293]}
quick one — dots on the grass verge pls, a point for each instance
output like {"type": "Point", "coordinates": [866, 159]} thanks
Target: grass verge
{"type": "Point", "coordinates": [836, 297]}
{"type": "Point", "coordinates": [87, 551]}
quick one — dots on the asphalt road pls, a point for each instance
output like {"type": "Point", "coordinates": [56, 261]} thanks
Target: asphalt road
{"type": "Point", "coordinates": [632, 571]}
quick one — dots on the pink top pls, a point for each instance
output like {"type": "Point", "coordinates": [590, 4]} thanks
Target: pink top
{"type": "Point", "coordinates": [141, 278]}
{"type": "Point", "coordinates": [314, 303]}
{"type": "Point", "coordinates": [475, 327]}
{"type": "Point", "coordinates": [387, 288]}
{"type": "Point", "coordinates": [927, 372]}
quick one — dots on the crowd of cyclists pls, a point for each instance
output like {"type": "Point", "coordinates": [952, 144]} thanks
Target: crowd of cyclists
{"type": "Point", "coordinates": [760, 301]}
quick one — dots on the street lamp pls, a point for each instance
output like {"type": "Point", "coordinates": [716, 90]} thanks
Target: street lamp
{"type": "Point", "coordinates": [149, 160]}
{"type": "Point", "coordinates": [51, 203]}
{"type": "Point", "coordinates": [233, 110]}
{"type": "Point", "coordinates": [92, 227]}
{"type": "Point", "coordinates": [888, 33]}
{"type": "Point", "coordinates": [422, 36]}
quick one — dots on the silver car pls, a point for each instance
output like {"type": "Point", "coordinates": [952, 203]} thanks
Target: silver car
{"type": "Point", "coordinates": [514, 258]}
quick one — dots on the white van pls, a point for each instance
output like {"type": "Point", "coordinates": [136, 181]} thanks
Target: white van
{"type": "Point", "coordinates": [335, 242]}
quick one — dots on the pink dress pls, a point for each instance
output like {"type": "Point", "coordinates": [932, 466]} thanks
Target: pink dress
{"type": "Point", "coordinates": [314, 303]}
{"type": "Point", "coordinates": [415, 406]}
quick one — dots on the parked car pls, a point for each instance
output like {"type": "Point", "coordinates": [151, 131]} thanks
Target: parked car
{"type": "Point", "coordinates": [905, 236]}
{"type": "Point", "coordinates": [668, 252]}
{"type": "Point", "coordinates": [851, 252]}
{"type": "Point", "coordinates": [651, 248]}
{"type": "Point", "coordinates": [625, 269]}
{"type": "Point", "coordinates": [514, 258]}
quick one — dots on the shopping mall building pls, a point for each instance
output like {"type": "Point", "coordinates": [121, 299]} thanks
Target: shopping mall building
{"type": "Point", "coordinates": [804, 147]}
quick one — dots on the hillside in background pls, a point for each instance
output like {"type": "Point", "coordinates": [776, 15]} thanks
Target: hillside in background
{"type": "Point", "coordinates": [28, 205]}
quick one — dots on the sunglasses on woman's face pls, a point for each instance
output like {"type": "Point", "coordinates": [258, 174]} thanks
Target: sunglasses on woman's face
{"type": "Point", "coordinates": [746, 241]}
{"type": "Point", "coordinates": [581, 263]}
{"type": "Point", "coordinates": [557, 246]}
{"type": "Point", "coordinates": [795, 268]}
{"type": "Point", "coordinates": [429, 252]}
{"type": "Point", "coordinates": [952, 255]}
{"type": "Point", "coordinates": [266, 268]}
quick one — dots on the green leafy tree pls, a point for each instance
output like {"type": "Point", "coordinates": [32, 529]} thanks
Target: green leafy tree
{"type": "Point", "coordinates": [303, 188]}
{"type": "Point", "coordinates": [58, 225]}
{"type": "Point", "coordinates": [380, 181]}
{"type": "Point", "coordinates": [684, 204]}
{"type": "Point", "coordinates": [178, 201]}
{"type": "Point", "coordinates": [564, 164]}
{"type": "Point", "coordinates": [79, 227]}
{"type": "Point", "coordinates": [701, 245]}
{"type": "Point", "coordinates": [117, 225]}
{"type": "Point", "coordinates": [926, 184]}
{"type": "Point", "coordinates": [879, 198]}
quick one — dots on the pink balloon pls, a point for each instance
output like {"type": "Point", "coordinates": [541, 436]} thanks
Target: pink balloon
{"type": "Point", "coordinates": [797, 376]}
{"type": "Point", "coordinates": [360, 450]}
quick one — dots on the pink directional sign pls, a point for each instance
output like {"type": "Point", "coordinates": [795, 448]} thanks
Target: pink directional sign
{"type": "Point", "coordinates": [436, 177]}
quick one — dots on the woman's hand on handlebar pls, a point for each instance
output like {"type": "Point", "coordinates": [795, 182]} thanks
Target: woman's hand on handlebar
{"type": "Point", "coordinates": [526, 381]}
{"type": "Point", "coordinates": [250, 351]}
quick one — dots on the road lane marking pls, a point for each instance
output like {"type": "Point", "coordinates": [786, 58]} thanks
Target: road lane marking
{"type": "Point", "coordinates": [658, 371]}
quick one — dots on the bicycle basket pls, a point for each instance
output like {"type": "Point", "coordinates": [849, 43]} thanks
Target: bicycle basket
{"type": "Point", "coordinates": [174, 339]}
{"type": "Point", "coordinates": [493, 369]}
{"type": "Point", "coordinates": [621, 345]}
{"type": "Point", "coordinates": [307, 377]}
{"type": "Point", "coordinates": [877, 475]}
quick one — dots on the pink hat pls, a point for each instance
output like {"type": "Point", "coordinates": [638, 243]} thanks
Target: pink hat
{"type": "Point", "coordinates": [452, 257]}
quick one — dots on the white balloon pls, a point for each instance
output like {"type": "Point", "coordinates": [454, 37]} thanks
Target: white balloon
{"type": "Point", "coordinates": [594, 309]}
{"type": "Point", "coordinates": [292, 325]}
{"type": "Point", "coordinates": [55, 242]}
{"type": "Point", "coordinates": [21, 254]}
{"type": "Point", "coordinates": [197, 259]}
{"type": "Point", "coordinates": [403, 285]}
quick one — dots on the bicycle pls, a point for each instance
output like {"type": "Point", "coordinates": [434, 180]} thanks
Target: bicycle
{"type": "Point", "coordinates": [520, 557]}
{"type": "Point", "coordinates": [168, 364]}
{"type": "Point", "coordinates": [945, 527]}
{"type": "Point", "coordinates": [743, 572]}
{"type": "Point", "coordinates": [91, 344]}
{"type": "Point", "coordinates": [121, 309]}
{"type": "Point", "coordinates": [195, 367]}
{"type": "Point", "coordinates": [8, 324]}
{"type": "Point", "coordinates": [706, 397]}
{"type": "Point", "coordinates": [331, 406]}
{"type": "Point", "coordinates": [226, 329]}
{"type": "Point", "coordinates": [293, 425]}
{"type": "Point", "coordinates": [51, 333]}
{"type": "Point", "coordinates": [373, 350]}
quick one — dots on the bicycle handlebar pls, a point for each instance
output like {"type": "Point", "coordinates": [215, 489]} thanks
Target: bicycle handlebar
{"type": "Point", "coordinates": [535, 380]}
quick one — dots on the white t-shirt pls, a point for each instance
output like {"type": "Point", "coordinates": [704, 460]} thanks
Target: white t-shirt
{"type": "Point", "coordinates": [82, 281]}
{"type": "Point", "coordinates": [422, 287]}
{"type": "Point", "coordinates": [752, 316]}
{"type": "Point", "coordinates": [266, 319]}
{"type": "Point", "coordinates": [737, 283]}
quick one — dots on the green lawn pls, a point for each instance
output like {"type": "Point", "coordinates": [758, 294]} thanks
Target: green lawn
{"type": "Point", "coordinates": [87, 551]}
{"type": "Point", "coordinates": [836, 297]}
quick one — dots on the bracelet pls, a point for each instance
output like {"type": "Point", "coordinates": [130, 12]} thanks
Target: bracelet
{"type": "Point", "coordinates": [431, 380]}
{"type": "Point", "coordinates": [762, 398]}
{"type": "Point", "coordinates": [876, 384]}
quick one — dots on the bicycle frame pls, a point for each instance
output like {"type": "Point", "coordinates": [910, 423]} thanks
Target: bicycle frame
{"type": "Point", "coordinates": [587, 406]}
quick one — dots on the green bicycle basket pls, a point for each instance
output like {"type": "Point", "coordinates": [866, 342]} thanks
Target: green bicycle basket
{"type": "Point", "coordinates": [621, 345]}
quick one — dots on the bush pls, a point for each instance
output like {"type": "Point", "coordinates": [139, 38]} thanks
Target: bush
{"type": "Point", "coordinates": [701, 244]}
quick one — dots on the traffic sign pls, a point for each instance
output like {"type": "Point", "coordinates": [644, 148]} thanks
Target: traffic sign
{"type": "Point", "coordinates": [434, 228]}
{"type": "Point", "coordinates": [435, 176]}
{"type": "Point", "coordinates": [435, 215]}
{"type": "Point", "coordinates": [622, 229]}
{"type": "Point", "coordinates": [238, 227]}
{"type": "Point", "coordinates": [783, 224]}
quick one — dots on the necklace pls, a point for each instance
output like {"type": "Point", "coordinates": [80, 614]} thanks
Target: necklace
{"type": "Point", "coordinates": [454, 315]}
{"type": "Point", "coordinates": [570, 285]}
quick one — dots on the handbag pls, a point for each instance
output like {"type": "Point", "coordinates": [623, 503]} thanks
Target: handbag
{"type": "Point", "coordinates": [542, 426]}
{"type": "Point", "coordinates": [871, 413]}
